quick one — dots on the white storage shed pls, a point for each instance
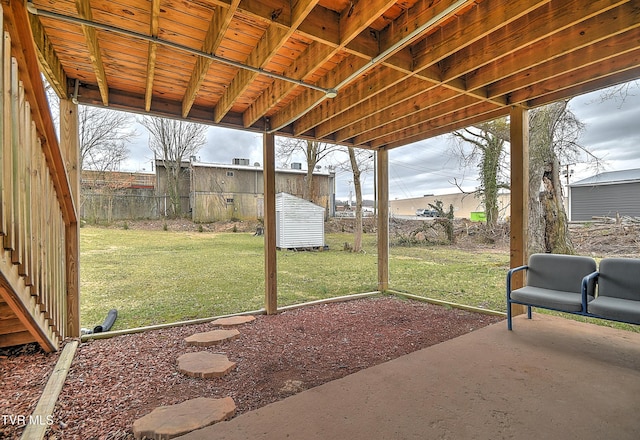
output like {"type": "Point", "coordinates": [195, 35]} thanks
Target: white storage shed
{"type": "Point", "coordinates": [299, 223]}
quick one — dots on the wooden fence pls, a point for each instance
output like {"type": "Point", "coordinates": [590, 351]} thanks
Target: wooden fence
{"type": "Point", "coordinates": [33, 232]}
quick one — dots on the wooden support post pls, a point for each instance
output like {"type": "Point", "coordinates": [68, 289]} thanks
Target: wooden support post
{"type": "Point", "coordinates": [70, 144]}
{"type": "Point", "coordinates": [382, 179]}
{"type": "Point", "coordinates": [270, 266]}
{"type": "Point", "coordinates": [519, 127]}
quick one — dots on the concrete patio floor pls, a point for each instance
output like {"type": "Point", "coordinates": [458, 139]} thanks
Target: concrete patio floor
{"type": "Point", "coordinates": [550, 378]}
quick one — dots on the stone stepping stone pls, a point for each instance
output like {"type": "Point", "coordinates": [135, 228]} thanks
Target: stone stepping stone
{"type": "Point", "coordinates": [233, 320]}
{"type": "Point", "coordinates": [204, 364]}
{"type": "Point", "coordinates": [167, 422]}
{"type": "Point", "coordinates": [211, 338]}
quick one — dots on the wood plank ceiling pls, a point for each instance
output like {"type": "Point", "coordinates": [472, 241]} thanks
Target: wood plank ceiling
{"type": "Point", "coordinates": [403, 70]}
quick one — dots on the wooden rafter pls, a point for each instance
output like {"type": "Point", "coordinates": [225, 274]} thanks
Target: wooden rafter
{"type": "Point", "coordinates": [217, 27]}
{"type": "Point", "coordinates": [457, 34]}
{"type": "Point", "coordinates": [495, 51]}
{"type": "Point", "coordinates": [91, 37]}
{"type": "Point", "coordinates": [447, 41]}
{"type": "Point", "coordinates": [352, 23]}
{"type": "Point", "coordinates": [267, 47]}
{"type": "Point", "coordinates": [48, 59]}
{"type": "Point", "coordinates": [153, 50]}
{"type": "Point", "coordinates": [424, 12]}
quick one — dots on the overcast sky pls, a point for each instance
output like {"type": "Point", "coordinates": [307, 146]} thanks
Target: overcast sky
{"type": "Point", "coordinates": [428, 167]}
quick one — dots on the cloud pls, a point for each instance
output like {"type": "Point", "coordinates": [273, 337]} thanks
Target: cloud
{"type": "Point", "coordinates": [429, 167]}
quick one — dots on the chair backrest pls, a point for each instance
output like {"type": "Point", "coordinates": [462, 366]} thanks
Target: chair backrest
{"type": "Point", "coordinates": [559, 272]}
{"type": "Point", "coordinates": [619, 278]}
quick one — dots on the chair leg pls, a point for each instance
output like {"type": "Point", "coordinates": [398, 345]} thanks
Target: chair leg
{"type": "Point", "coordinates": [509, 323]}
{"type": "Point", "coordinates": [529, 312]}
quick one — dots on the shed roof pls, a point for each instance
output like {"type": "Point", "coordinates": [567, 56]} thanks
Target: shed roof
{"type": "Point", "coordinates": [400, 70]}
{"type": "Point", "coordinates": [286, 201]}
{"type": "Point", "coordinates": [610, 177]}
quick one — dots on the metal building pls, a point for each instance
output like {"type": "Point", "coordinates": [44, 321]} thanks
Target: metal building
{"type": "Point", "coordinates": [605, 194]}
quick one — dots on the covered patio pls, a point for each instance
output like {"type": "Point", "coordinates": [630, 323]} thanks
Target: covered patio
{"type": "Point", "coordinates": [376, 74]}
{"type": "Point", "coordinates": [550, 378]}
{"type": "Point", "coordinates": [369, 74]}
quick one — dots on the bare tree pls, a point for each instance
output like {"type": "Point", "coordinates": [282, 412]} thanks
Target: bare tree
{"type": "Point", "coordinates": [104, 135]}
{"type": "Point", "coordinates": [314, 152]}
{"type": "Point", "coordinates": [487, 141]}
{"type": "Point", "coordinates": [172, 141]}
{"type": "Point", "coordinates": [359, 162]}
{"type": "Point", "coordinates": [620, 92]}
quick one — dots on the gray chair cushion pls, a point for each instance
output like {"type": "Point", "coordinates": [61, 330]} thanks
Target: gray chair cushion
{"type": "Point", "coordinates": [547, 298]}
{"type": "Point", "coordinates": [559, 272]}
{"type": "Point", "coordinates": [619, 278]}
{"type": "Point", "coordinates": [615, 308]}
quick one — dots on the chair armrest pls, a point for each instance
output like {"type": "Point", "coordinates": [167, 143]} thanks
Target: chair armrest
{"type": "Point", "coordinates": [588, 283]}
{"type": "Point", "coordinates": [510, 274]}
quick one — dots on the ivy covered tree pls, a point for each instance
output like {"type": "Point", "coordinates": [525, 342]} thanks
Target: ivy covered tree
{"type": "Point", "coordinates": [487, 141]}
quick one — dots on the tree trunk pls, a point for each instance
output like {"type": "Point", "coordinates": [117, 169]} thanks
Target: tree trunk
{"type": "Point", "coordinates": [536, 240]}
{"type": "Point", "coordinates": [548, 225]}
{"type": "Point", "coordinates": [173, 178]}
{"type": "Point", "coordinates": [312, 160]}
{"type": "Point", "coordinates": [357, 233]}
{"type": "Point", "coordinates": [557, 239]}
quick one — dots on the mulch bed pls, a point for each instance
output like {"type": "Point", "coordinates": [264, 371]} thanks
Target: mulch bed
{"type": "Point", "coordinates": [115, 381]}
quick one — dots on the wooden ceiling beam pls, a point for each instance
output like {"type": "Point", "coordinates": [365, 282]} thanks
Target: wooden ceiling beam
{"type": "Point", "coordinates": [461, 32]}
{"type": "Point", "coordinates": [536, 26]}
{"type": "Point", "coordinates": [267, 48]}
{"type": "Point", "coordinates": [48, 59]}
{"type": "Point", "coordinates": [586, 57]}
{"type": "Point", "coordinates": [352, 22]}
{"type": "Point", "coordinates": [587, 87]}
{"type": "Point", "coordinates": [586, 34]}
{"type": "Point", "coordinates": [323, 117]}
{"type": "Point", "coordinates": [91, 37]}
{"type": "Point", "coordinates": [424, 11]}
{"type": "Point", "coordinates": [359, 15]}
{"type": "Point", "coordinates": [302, 68]}
{"type": "Point", "coordinates": [151, 56]}
{"type": "Point", "coordinates": [623, 63]}
{"type": "Point", "coordinates": [440, 97]}
{"type": "Point", "coordinates": [215, 33]}
{"type": "Point", "coordinates": [483, 112]}
{"type": "Point", "coordinates": [403, 93]}
{"type": "Point", "coordinates": [477, 23]}
{"type": "Point", "coordinates": [383, 132]}
{"type": "Point", "coordinates": [310, 98]}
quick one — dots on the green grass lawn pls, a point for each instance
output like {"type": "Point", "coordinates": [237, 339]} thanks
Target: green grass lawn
{"type": "Point", "coordinates": [155, 277]}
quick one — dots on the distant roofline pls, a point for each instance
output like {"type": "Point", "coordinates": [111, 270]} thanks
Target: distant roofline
{"type": "Point", "coordinates": [246, 167]}
{"type": "Point", "coordinates": [610, 178]}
